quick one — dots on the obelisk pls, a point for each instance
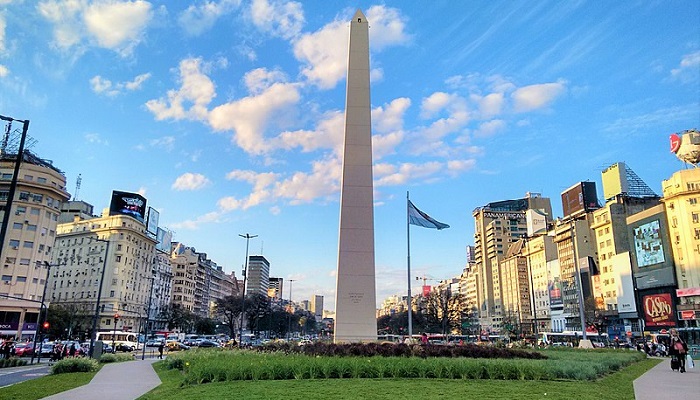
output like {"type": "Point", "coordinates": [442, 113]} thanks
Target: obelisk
{"type": "Point", "coordinates": [355, 295]}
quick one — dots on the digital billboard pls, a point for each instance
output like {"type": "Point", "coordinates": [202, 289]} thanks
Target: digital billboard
{"type": "Point", "coordinates": [554, 285]}
{"type": "Point", "coordinates": [648, 245]}
{"type": "Point", "coordinates": [579, 198]}
{"type": "Point", "coordinates": [126, 203]}
{"type": "Point", "coordinates": [652, 262]}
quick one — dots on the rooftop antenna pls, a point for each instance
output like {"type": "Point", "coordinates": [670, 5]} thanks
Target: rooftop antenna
{"type": "Point", "coordinates": [77, 187]}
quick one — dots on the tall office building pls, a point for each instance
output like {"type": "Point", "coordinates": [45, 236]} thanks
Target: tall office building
{"type": "Point", "coordinates": [29, 238]}
{"type": "Point", "coordinates": [275, 288]}
{"type": "Point", "coordinates": [316, 307]}
{"type": "Point", "coordinates": [258, 275]}
{"type": "Point", "coordinates": [497, 225]}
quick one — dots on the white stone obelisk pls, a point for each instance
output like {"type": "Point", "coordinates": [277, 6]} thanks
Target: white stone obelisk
{"type": "Point", "coordinates": [355, 296]}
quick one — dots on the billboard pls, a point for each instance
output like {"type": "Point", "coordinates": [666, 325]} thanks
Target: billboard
{"type": "Point", "coordinates": [554, 285]}
{"type": "Point", "coordinates": [165, 239]}
{"type": "Point", "coordinates": [658, 310]}
{"type": "Point", "coordinates": [125, 203]}
{"type": "Point", "coordinates": [652, 261]}
{"type": "Point", "coordinates": [579, 199]}
{"type": "Point", "coordinates": [536, 222]}
{"type": "Point", "coordinates": [647, 244]}
{"type": "Point", "coordinates": [152, 223]}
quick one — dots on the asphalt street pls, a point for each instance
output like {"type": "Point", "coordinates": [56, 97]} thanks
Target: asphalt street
{"type": "Point", "coordinates": [10, 376]}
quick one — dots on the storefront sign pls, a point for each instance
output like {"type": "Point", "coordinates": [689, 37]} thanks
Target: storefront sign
{"type": "Point", "coordinates": [658, 310]}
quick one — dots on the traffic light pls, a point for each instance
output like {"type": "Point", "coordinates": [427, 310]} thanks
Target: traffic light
{"type": "Point", "coordinates": [46, 325]}
{"type": "Point", "coordinates": [116, 318]}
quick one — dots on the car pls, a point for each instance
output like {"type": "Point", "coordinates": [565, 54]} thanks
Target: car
{"type": "Point", "coordinates": [24, 349]}
{"type": "Point", "coordinates": [46, 349]}
{"type": "Point", "coordinates": [154, 343]}
{"type": "Point", "coordinates": [177, 346]}
{"type": "Point", "coordinates": [208, 343]}
{"type": "Point", "coordinates": [124, 347]}
{"type": "Point", "coordinates": [304, 342]}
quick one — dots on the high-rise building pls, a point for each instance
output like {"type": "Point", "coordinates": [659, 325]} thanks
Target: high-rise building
{"type": "Point", "coordinates": [30, 232]}
{"type": "Point", "coordinates": [316, 306]}
{"type": "Point", "coordinates": [258, 275]}
{"type": "Point", "coordinates": [682, 200]}
{"type": "Point", "coordinates": [275, 288]}
{"type": "Point", "coordinates": [497, 225]}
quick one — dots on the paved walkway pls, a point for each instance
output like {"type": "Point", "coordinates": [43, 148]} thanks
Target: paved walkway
{"type": "Point", "coordinates": [661, 382]}
{"type": "Point", "coordinates": [116, 381]}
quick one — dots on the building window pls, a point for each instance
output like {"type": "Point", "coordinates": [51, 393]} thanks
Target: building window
{"type": "Point", "coordinates": [28, 177]}
{"type": "Point", "coordinates": [17, 225]}
{"type": "Point", "coordinates": [28, 245]}
{"type": "Point", "coordinates": [31, 228]}
{"type": "Point", "coordinates": [21, 279]}
{"type": "Point", "coordinates": [6, 177]}
{"type": "Point", "coordinates": [14, 243]}
{"type": "Point", "coordinates": [693, 200]}
{"type": "Point", "coordinates": [34, 211]}
{"type": "Point", "coordinates": [23, 261]}
{"type": "Point", "coordinates": [24, 196]}
{"type": "Point", "coordinates": [695, 218]}
{"type": "Point", "coordinates": [7, 278]}
{"type": "Point", "coordinates": [41, 180]}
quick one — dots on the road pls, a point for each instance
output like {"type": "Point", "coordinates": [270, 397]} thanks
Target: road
{"type": "Point", "coordinates": [10, 376]}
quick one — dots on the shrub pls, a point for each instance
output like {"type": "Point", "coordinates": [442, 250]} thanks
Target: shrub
{"type": "Point", "coordinates": [110, 358]}
{"type": "Point", "coordinates": [75, 364]}
{"type": "Point", "coordinates": [12, 362]}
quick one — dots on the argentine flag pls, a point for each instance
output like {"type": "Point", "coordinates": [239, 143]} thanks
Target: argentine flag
{"type": "Point", "coordinates": [418, 217]}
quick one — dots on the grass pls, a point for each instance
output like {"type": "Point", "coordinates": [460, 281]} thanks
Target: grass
{"type": "Point", "coordinates": [39, 388]}
{"type": "Point", "coordinates": [614, 386]}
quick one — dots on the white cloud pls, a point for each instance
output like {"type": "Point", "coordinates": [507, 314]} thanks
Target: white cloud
{"type": "Point", "coordinates": [165, 142]}
{"type": "Point", "coordinates": [688, 69]}
{"type": "Point", "coordinates": [326, 51]}
{"type": "Point", "coordinates": [4, 71]}
{"type": "Point", "coordinates": [327, 135]}
{"type": "Point", "coordinates": [392, 175]}
{"type": "Point", "coordinates": [190, 181]}
{"type": "Point", "coordinates": [104, 86]}
{"type": "Point", "coordinates": [390, 117]}
{"type": "Point", "coordinates": [533, 97]}
{"type": "Point", "coordinates": [118, 26]}
{"type": "Point", "coordinates": [197, 19]}
{"type": "Point", "coordinates": [387, 27]}
{"type": "Point", "coordinates": [490, 128]}
{"type": "Point", "coordinates": [260, 79]}
{"type": "Point", "coordinates": [281, 19]}
{"type": "Point", "coordinates": [196, 91]}
{"type": "Point", "coordinates": [457, 166]}
{"type": "Point", "coordinates": [491, 105]}
{"type": "Point", "coordinates": [95, 138]}
{"type": "Point", "coordinates": [248, 117]}
{"type": "Point", "coordinates": [194, 224]}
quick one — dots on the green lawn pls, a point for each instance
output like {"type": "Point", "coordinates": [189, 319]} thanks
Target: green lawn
{"type": "Point", "coordinates": [45, 386]}
{"type": "Point", "coordinates": [616, 386]}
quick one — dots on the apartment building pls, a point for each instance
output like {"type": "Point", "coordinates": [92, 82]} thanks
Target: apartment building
{"type": "Point", "coordinates": [258, 275]}
{"type": "Point", "coordinates": [29, 235]}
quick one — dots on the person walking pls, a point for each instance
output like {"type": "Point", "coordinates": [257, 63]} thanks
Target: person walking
{"type": "Point", "coordinates": [678, 349]}
{"type": "Point", "coordinates": [160, 350]}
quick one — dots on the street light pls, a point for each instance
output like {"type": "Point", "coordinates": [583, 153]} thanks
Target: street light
{"type": "Point", "coordinates": [45, 311]}
{"type": "Point", "coordinates": [93, 336]}
{"type": "Point", "coordinates": [247, 238]}
{"type": "Point", "coordinates": [289, 317]}
{"type": "Point", "coordinates": [148, 317]}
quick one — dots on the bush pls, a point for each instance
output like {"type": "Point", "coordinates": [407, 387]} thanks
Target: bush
{"type": "Point", "coordinates": [12, 362]}
{"type": "Point", "coordinates": [110, 358]}
{"type": "Point", "coordinates": [75, 364]}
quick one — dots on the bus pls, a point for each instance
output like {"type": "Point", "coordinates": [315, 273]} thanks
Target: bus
{"type": "Point", "coordinates": [571, 338]}
{"type": "Point", "coordinates": [126, 339]}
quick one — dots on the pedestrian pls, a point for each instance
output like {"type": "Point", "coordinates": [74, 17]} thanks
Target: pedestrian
{"type": "Point", "coordinates": [160, 350]}
{"type": "Point", "coordinates": [678, 350]}
{"type": "Point", "coordinates": [424, 338]}
{"type": "Point", "coordinates": [72, 350]}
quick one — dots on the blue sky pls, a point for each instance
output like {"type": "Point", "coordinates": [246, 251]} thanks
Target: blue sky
{"type": "Point", "coordinates": [228, 115]}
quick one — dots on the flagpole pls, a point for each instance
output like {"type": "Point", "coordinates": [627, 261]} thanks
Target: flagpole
{"type": "Point", "coordinates": [408, 262]}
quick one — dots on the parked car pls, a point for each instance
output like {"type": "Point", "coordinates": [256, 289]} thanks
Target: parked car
{"type": "Point", "coordinates": [24, 349]}
{"type": "Point", "coordinates": [124, 347]}
{"type": "Point", "coordinates": [208, 343]}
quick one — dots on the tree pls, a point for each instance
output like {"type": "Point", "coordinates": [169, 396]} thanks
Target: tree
{"type": "Point", "coordinates": [179, 317]}
{"type": "Point", "coordinates": [442, 311]}
{"type": "Point", "coordinates": [230, 308]}
{"type": "Point", "coordinates": [205, 326]}
{"type": "Point", "coordinates": [69, 319]}
{"type": "Point", "coordinates": [257, 308]}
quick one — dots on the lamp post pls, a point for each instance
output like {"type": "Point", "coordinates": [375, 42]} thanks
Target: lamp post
{"type": "Point", "coordinates": [148, 317]}
{"type": "Point", "coordinates": [43, 313]}
{"type": "Point", "coordinates": [99, 296]}
{"type": "Point", "coordinates": [289, 317]}
{"type": "Point", "coordinates": [247, 238]}
{"type": "Point", "coordinates": [15, 177]}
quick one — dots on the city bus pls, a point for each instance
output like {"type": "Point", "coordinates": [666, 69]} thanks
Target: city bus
{"type": "Point", "coordinates": [126, 339]}
{"type": "Point", "coordinates": [571, 338]}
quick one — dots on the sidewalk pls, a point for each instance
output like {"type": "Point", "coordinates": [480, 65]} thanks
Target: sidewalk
{"type": "Point", "coordinates": [116, 381]}
{"type": "Point", "coordinates": [661, 382]}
